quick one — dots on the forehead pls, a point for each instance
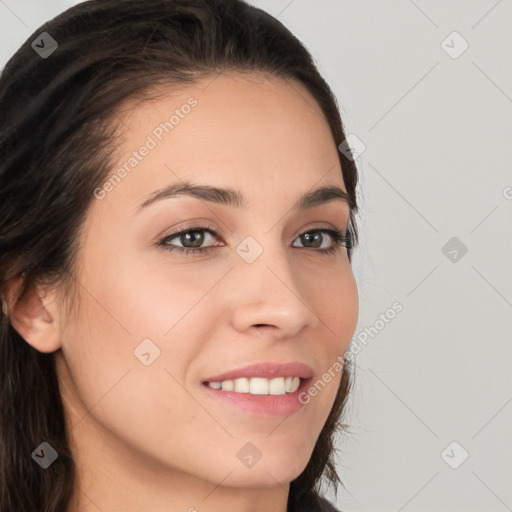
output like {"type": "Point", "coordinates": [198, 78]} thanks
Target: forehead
{"type": "Point", "coordinates": [233, 129]}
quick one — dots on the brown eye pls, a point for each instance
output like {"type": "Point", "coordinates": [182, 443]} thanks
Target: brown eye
{"type": "Point", "coordinates": [313, 239]}
{"type": "Point", "coordinates": [190, 238]}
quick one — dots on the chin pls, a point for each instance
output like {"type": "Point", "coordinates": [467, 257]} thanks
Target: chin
{"type": "Point", "coordinates": [280, 471]}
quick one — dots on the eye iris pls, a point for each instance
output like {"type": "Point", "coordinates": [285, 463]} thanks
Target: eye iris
{"type": "Point", "coordinates": [317, 237]}
{"type": "Point", "coordinates": [197, 242]}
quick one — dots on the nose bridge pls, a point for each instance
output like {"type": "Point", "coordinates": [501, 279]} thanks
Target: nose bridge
{"type": "Point", "coordinates": [269, 293]}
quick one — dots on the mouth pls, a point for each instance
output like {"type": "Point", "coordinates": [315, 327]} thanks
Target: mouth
{"type": "Point", "coordinates": [269, 389]}
{"type": "Point", "coordinates": [263, 399]}
{"type": "Point", "coordinates": [275, 386]}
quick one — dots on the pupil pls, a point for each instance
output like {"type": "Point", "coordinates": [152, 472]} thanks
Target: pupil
{"type": "Point", "coordinates": [316, 236]}
{"type": "Point", "coordinates": [198, 242]}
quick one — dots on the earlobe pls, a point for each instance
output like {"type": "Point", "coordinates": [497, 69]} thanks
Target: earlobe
{"type": "Point", "coordinates": [31, 318]}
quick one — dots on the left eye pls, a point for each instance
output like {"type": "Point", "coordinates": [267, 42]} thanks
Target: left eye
{"type": "Point", "coordinates": [193, 238]}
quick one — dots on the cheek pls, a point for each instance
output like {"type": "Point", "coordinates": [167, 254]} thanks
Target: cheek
{"type": "Point", "coordinates": [113, 388]}
{"type": "Point", "coordinates": [335, 299]}
{"type": "Point", "coordinates": [337, 305]}
{"type": "Point", "coordinates": [121, 307]}
{"type": "Point", "coordinates": [145, 296]}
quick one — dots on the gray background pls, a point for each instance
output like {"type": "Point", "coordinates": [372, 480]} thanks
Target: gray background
{"type": "Point", "coordinates": [437, 131]}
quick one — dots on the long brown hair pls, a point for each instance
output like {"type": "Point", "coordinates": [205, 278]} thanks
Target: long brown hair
{"type": "Point", "coordinates": [56, 141]}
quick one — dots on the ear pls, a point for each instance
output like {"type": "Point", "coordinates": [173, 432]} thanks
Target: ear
{"type": "Point", "coordinates": [34, 315]}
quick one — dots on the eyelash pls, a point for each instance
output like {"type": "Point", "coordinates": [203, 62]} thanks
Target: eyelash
{"type": "Point", "coordinates": [340, 238]}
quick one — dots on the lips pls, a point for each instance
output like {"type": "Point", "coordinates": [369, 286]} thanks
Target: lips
{"type": "Point", "coordinates": [266, 370]}
{"type": "Point", "coordinates": [261, 406]}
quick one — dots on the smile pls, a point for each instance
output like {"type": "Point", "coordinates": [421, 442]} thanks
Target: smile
{"type": "Point", "coordinates": [258, 385]}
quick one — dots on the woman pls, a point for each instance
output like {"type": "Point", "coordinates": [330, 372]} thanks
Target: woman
{"type": "Point", "coordinates": [176, 232]}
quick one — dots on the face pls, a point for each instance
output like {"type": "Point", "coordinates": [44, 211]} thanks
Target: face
{"type": "Point", "coordinates": [159, 313]}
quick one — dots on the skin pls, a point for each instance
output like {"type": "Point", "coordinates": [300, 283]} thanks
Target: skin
{"type": "Point", "coordinates": [148, 437]}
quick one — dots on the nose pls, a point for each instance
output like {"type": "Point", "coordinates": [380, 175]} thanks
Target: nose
{"type": "Point", "coordinates": [269, 295]}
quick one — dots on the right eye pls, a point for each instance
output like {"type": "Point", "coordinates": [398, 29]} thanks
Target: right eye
{"type": "Point", "coordinates": [191, 234]}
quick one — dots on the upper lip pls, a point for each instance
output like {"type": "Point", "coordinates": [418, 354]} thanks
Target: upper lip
{"type": "Point", "coordinates": [267, 370]}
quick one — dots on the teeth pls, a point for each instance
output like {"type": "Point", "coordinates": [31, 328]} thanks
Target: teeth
{"type": "Point", "coordinates": [227, 385]}
{"type": "Point", "coordinates": [242, 385]}
{"type": "Point", "coordinates": [277, 386]}
{"type": "Point", "coordinates": [259, 385]}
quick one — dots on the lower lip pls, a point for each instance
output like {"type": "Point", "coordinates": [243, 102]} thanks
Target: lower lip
{"type": "Point", "coordinates": [262, 405]}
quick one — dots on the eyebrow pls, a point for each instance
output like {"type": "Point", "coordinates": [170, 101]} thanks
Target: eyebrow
{"type": "Point", "coordinates": [230, 197]}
